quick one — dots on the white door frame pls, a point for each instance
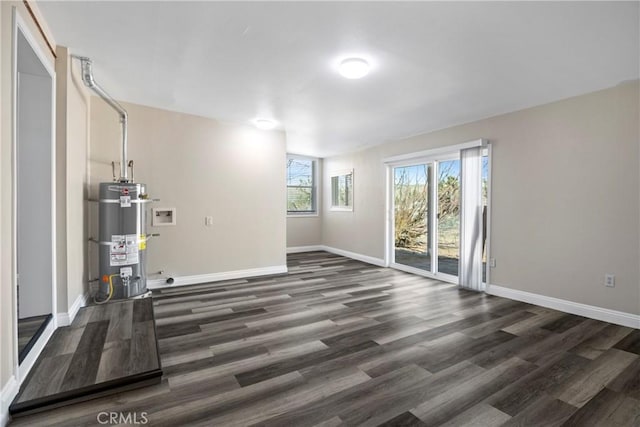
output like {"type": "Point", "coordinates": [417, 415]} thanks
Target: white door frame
{"type": "Point", "coordinates": [19, 25]}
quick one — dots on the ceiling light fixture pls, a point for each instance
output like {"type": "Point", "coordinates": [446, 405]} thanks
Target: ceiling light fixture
{"type": "Point", "coordinates": [265, 124]}
{"type": "Point", "coordinates": [354, 68]}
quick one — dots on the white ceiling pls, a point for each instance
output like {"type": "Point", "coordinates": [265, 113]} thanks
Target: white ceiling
{"type": "Point", "coordinates": [434, 64]}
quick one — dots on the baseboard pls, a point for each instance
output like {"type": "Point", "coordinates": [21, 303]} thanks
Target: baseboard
{"type": "Point", "coordinates": [299, 249]}
{"type": "Point", "coordinates": [593, 312]}
{"type": "Point", "coordinates": [9, 392]}
{"type": "Point", "coordinates": [216, 277]}
{"type": "Point", "coordinates": [65, 319]}
{"type": "Point", "coordinates": [28, 362]}
{"type": "Point", "coordinates": [364, 258]}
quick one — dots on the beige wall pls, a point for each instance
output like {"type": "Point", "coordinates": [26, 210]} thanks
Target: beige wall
{"type": "Point", "coordinates": [361, 230]}
{"type": "Point", "coordinates": [202, 167]}
{"type": "Point", "coordinates": [77, 184]}
{"type": "Point", "coordinates": [62, 68]}
{"type": "Point", "coordinates": [7, 315]}
{"type": "Point", "coordinates": [565, 197]}
{"type": "Point", "coordinates": [72, 133]}
{"type": "Point", "coordinates": [304, 231]}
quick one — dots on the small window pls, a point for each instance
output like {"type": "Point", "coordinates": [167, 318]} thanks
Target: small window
{"type": "Point", "coordinates": [301, 186]}
{"type": "Point", "coordinates": [342, 191]}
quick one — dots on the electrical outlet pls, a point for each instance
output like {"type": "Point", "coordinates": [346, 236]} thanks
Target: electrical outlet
{"type": "Point", "coordinates": [208, 220]}
{"type": "Point", "coordinates": [609, 280]}
{"type": "Point", "coordinates": [492, 263]}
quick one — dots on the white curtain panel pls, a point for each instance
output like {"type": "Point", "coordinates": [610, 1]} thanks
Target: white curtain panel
{"type": "Point", "coordinates": [471, 219]}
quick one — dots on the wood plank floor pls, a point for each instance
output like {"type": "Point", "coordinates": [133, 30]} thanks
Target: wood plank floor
{"type": "Point", "coordinates": [339, 342]}
{"type": "Point", "coordinates": [107, 346]}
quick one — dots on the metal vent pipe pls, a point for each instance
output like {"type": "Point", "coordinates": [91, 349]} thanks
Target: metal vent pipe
{"type": "Point", "coordinates": [87, 78]}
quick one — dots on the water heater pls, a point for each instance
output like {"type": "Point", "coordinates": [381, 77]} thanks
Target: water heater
{"type": "Point", "coordinates": [123, 239]}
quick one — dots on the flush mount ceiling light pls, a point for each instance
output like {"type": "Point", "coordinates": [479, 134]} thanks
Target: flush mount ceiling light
{"type": "Point", "coordinates": [265, 124]}
{"type": "Point", "coordinates": [354, 68]}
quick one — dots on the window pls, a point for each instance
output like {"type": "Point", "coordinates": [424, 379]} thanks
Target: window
{"type": "Point", "coordinates": [301, 186]}
{"type": "Point", "coordinates": [342, 191]}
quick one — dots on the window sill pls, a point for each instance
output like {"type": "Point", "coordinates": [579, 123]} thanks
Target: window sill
{"type": "Point", "coordinates": [337, 209]}
{"type": "Point", "coordinates": [303, 215]}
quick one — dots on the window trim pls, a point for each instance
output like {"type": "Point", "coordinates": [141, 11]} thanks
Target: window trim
{"type": "Point", "coordinates": [338, 173]}
{"type": "Point", "coordinates": [315, 199]}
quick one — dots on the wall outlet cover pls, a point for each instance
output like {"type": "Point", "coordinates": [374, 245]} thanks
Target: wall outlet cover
{"type": "Point", "coordinates": [609, 280]}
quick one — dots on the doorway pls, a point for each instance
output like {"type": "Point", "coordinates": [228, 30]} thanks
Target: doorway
{"type": "Point", "coordinates": [34, 196]}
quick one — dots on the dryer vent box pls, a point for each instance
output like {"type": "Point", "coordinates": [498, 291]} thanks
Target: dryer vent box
{"type": "Point", "coordinates": [163, 216]}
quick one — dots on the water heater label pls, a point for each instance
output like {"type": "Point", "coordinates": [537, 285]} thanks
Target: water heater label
{"type": "Point", "coordinates": [124, 250]}
{"type": "Point", "coordinates": [125, 201]}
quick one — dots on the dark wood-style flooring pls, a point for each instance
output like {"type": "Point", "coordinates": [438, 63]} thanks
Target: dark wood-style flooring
{"type": "Point", "coordinates": [110, 346]}
{"type": "Point", "coordinates": [339, 342]}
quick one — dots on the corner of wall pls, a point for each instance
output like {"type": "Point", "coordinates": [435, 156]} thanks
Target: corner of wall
{"type": "Point", "coordinates": [65, 318]}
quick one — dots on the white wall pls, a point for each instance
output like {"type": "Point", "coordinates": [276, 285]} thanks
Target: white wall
{"type": "Point", "coordinates": [202, 167]}
{"type": "Point", "coordinates": [565, 197]}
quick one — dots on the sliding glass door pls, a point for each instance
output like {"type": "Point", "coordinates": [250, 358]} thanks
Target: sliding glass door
{"type": "Point", "coordinates": [429, 235]}
{"type": "Point", "coordinates": [448, 217]}
{"type": "Point", "coordinates": [426, 199]}
{"type": "Point", "coordinates": [428, 229]}
{"type": "Point", "coordinates": [412, 211]}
